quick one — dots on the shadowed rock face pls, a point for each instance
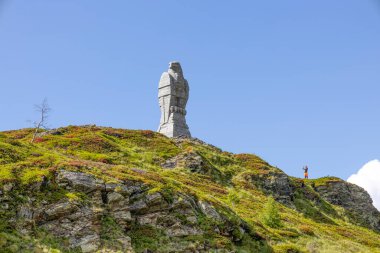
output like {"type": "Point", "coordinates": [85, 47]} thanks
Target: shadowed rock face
{"type": "Point", "coordinates": [275, 183]}
{"type": "Point", "coordinates": [354, 199]}
{"type": "Point", "coordinates": [173, 93]}
{"type": "Point", "coordinates": [130, 205]}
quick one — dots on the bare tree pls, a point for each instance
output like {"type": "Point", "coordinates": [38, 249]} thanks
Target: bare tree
{"type": "Point", "coordinates": [43, 109]}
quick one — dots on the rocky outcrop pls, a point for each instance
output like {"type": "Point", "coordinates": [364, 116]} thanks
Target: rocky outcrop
{"type": "Point", "coordinates": [315, 201]}
{"type": "Point", "coordinates": [354, 199]}
{"type": "Point", "coordinates": [273, 182]}
{"type": "Point", "coordinates": [80, 215]}
{"type": "Point", "coordinates": [190, 160]}
{"type": "Point", "coordinates": [79, 181]}
{"type": "Point", "coordinates": [194, 162]}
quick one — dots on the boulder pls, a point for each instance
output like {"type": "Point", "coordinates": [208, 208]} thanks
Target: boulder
{"type": "Point", "coordinates": [58, 210]}
{"type": "Point", "coordinates": [188, 160]}
{"type": "Point", "coordinates": [25, 212]}
{"type": "Point", "coordinates": [79, 181]}
{"type": "Point", "coordinates": [273, 182]}
{"type": "Point", "coordinates": [114, 197]}
{"type": "Point", "coordinates": [179, 230]}
{"type": "Point", "coordinates": [354, 199]}
{"type": "Point", "coordinates": [89, 243]}
{"type": "Point", "coordinates": [209, 210]}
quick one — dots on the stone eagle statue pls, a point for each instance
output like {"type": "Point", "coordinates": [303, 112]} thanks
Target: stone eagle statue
{"type": "Point", "coordinates": [173, 93]}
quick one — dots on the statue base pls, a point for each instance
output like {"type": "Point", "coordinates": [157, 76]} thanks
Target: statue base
{"type": "Point", "coordinates": [175, 127]}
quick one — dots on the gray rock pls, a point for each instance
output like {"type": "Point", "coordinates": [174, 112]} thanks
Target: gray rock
{"type": "Point", "coordinates": [126, 243]}
{"type": "Point", "coordinates": [354, 199]}
{"type": "Point", "coordinates": [127, 203]}
{"type": "Point", "coordinates": [149, 219]}
{"type": "Point", "coordinates": [183, 202]}
{"type": "Point", "coordinates": [89, 243]}
{"type": "Point", "coordinates": [8, 187]}
{"type": "Point", "coordinates": [79, 181]}
{"type": "Point", "coordinates": [60, 209]}
{"type": "Point", "coordinates": [189, 160]}
{"type": "Point", "coordinates": [96, 199]}
{"type": "Point", "coordinates": [178, 230]}
{"type": "Point", "coordinates": [276, 183]}
{"type": "Point", "coordinates": [154, 198]}
{"type": "Point", "coordinates": [25, 212]}
{"type": "Point", "coordinates": [122, 217]}
{"type": "Point", "coordinates": [173, 93]}
{"type": "Point", "coordinates": [209, 210]}
{"type": "Point", "coordinates": [119, 209]}
{"type": "Point", "coordinates": [114, 197]}
{"type": "Point", "coordinates": [138, 206]}
{"type": "Point", "coordinates": [120, 188]}
{"type": "Point", "coordinates": [192, 219]}
{"type": "Point", "coordinates": [156, 202]}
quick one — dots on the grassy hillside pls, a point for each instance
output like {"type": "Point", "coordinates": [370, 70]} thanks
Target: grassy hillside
{"type": "Point", "coordinates": [239, 186]}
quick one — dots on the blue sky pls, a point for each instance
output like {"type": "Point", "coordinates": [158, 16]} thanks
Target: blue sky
{"type": "Point", "coordinates": [296, 82]}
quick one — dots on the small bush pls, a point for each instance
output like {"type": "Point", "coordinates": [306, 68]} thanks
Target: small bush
{"type": "Point", "coordinates": [287, 248]}
{"type": "Point", "coordinates": [233, 197]}
{"type": "Point", "coordinates": [305, 229]}
{"type": "Point", "coordinates": [33, 175]}
{"type": "Point", "coordinates": [291, 233]}
{"type": "Point", "coordinates": [38, 140]}
{"type": "Point", "coordinates": [270, 215]}
{"type": "Point", "coordinates": [6, 174]}
{"type": "Point", "coordinates": [10, 154]}
{"type": "Point", "coordinates": [72, 197]}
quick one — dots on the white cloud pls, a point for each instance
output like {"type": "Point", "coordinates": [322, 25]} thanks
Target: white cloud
{"type": "Point", "coordinates": [368, 177]}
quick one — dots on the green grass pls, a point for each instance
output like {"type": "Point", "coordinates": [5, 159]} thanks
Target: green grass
{"type": "Point", "coordinates": [6, 174]}
{"type": "Point", "coordinates": [322, 181]}
{"type": "Point", "coordinates": [270, 215]}
{"type": "Point", "coordinates": [118, 154]}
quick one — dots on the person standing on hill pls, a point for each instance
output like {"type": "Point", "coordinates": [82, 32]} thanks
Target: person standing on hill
{"type": "Point", "coordinates": [306, 172]}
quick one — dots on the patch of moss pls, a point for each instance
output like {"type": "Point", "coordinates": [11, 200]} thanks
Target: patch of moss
{"type": "Point", "coordinates": [10, 153]}
{"type": "Point", "coordinates": [287, 248]}
{"type": "Point", "coordinates": [147, 238]}
{"type": "Point", "coordinates": [33, 175]}
{"type": "Point", "coordinates": [6, 174]}
{"type": "Point", "coordinates": [110, 233]}
{"type": "Point", "coordinates": [322, 181]}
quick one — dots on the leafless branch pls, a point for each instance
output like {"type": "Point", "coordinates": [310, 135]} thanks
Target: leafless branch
{"type": "Point", "coordinates": [43, 109]}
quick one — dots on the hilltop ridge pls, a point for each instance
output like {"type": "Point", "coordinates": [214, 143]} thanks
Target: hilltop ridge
{"type": "Point", "coordinates": [100, 189]}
